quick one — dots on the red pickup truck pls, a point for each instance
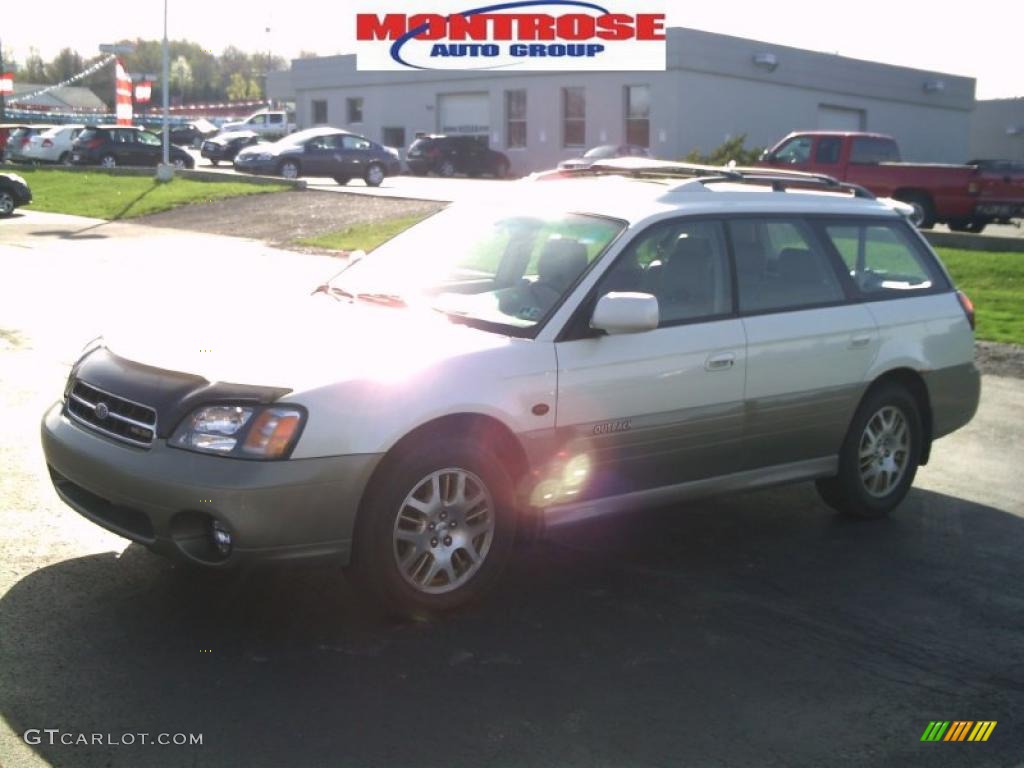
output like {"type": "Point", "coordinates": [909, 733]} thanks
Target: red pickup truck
{"type": "Point", "coordinates": [965, 197]}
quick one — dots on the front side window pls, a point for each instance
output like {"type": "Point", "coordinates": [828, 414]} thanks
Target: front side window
{"type": "Point", "coordinates": [145, 137]}
{"type": "Point", "coordinates": [498, 271]}
{"type": "Point", "coordinates": [638, 115]}
{"type": "Point", "coordinates": [574, 117]}
{"type": "Point", "coordinates": [882, 260]}
{"type": "Point", "coordinates": [354, 108]}
{"type": "Point", "coordinates": [684, 264]}
{"type": "Point", "coordinates": [258, 120]}
{"type": "Point", "coordinates": [780, 265]}
{"type": "Point", "coordinates": [319, 111]}
{"type": "Point", "coordinates": [515, 119]}
{"type": "Point", "coordinates": [795, 151]}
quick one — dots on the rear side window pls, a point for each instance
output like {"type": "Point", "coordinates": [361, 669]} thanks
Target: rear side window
{"type": "Point", "coordinates": [882, 259]}
{"type": "Point", "coordinates": [869, 150]}
{"type": "Point", "coordinates": [828, 149]}
{"type": "Point", "coordinates": [780, 265]}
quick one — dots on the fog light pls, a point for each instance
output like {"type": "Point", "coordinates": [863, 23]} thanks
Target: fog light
{"type": "Point", "coordinates": [220, 537]}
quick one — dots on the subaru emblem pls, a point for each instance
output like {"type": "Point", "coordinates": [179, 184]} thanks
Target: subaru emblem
{"type": "Point", "coordinates": [102, 411]}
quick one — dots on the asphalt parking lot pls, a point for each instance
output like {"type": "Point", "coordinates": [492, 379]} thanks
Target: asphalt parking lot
{"type": "Point", "coordinates": [753, 630]}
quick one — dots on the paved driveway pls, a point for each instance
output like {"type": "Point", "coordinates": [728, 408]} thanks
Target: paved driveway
{"type": "Point", "coordinates": [753, 630]}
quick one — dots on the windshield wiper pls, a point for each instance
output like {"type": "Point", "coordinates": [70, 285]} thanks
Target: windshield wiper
{"type": "Point", "coordinates": [387, 299]}
{"type": "Point", "coordinates": [331, 290]}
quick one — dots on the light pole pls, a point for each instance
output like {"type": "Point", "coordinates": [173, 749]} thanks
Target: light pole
{"type": "Point", "coordinates": [165, 93]}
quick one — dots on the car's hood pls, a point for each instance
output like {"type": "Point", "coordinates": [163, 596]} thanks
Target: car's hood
{"type": "Point", "coordinates": [311, 342]}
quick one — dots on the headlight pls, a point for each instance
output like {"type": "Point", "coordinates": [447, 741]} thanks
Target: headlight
{"type": "Point", "coordinates": [243, 431]}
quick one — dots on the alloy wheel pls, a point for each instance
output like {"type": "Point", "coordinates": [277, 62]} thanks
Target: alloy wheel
{"type": "Point", "coordinates": [443, 531]}
{"type": "Point", "coordinates": [884, 451]}
{"type": "Point", "coordinates": [6, 203]}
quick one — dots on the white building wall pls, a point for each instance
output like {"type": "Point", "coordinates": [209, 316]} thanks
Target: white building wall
{"type": "Point", "coordinates": [713, 89]}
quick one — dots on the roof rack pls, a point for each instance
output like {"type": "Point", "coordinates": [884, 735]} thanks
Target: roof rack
{"type": "Point", "coordinates": [780, 180]}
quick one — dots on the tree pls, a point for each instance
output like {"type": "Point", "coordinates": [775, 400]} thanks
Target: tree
{"type": "Point", "coordinates": [64, 66]}
{"type": "Point", "coordinates": [181, 76]}
{"type": "Point", "coordinates": [34, 69]}
{"type": "Point", "coordinates": [731, 149]}
{"type": "Point", "coordinates": [238, 88]}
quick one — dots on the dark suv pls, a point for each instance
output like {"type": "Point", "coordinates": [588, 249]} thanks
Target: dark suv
{"type": "Point", "coordinates": [113, 145]}
{"type": "Point", "coordinates": [448, 155]}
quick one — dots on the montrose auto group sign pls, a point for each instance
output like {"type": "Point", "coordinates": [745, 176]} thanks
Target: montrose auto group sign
{"type": "Point", "coordinates": [517, 36]}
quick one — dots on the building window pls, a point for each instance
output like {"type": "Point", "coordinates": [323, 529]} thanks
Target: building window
{"type": "Point", "coordinates": [515, 119]}
{"type": "Point", "coordinates": [319, 111]}
{"type": "Point", "coordinates": [638, 115]}
{"type": "Point", "coordinates": [354, 109]}
{"type": "Point", "coordinates": [393, 137]}
{"type": "Point", "coordinates": [574, 117]}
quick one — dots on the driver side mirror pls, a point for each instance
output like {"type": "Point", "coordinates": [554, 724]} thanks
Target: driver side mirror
{"type": "Point", "coordinates": [617, 313]}
{"type": "Point", "coordinates": [767, 156]}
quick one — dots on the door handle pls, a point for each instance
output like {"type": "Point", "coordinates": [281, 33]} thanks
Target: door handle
{"type": "Point", "coordinates": [720, 362]}
{"type": "Point", "coordinates": [859, 342]}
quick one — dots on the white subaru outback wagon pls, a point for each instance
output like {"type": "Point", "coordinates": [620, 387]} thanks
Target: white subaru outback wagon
{"type": "Point", "coordinates": [580, 347]}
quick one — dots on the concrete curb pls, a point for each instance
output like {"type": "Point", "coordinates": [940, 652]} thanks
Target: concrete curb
{"type": "Point", "coordinates": [975, 242]}
{"type": "Point", "coordinates": [196, 175]}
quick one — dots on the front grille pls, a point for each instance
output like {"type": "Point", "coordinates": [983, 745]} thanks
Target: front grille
{"type": "Point", "coordinates": [114, 416]}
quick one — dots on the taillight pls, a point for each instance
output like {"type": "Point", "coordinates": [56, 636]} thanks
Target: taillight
{"type": "Point", "coordinates": [968, 307]}
{"type": "Point", "coordinates": [47, 143]}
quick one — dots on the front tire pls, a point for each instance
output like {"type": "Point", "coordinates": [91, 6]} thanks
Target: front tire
{"type": "Point", "coordinates": [289, 169]}
{"type": "Point", "coordinates": [446, 169]}
{"type": "Point", "coordinates": [879, 456]}
{"type": "Point", "coordinates": [214, 163]}
{"type": "Point", "coordinates": [436, 529]}
{"type": "Point", "coordinates": [7, 204]}
{"type": "Point", "coordinates": [108, 161]}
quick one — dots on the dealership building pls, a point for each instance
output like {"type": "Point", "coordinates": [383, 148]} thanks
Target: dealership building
{"type": "Point", "coordinates": [714, 87]}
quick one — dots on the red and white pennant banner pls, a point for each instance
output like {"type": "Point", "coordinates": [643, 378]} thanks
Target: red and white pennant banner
{"type": "Point", "coordinates": [124, 95]}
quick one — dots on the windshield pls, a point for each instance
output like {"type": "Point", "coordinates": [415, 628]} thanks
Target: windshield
{"type": "Point", "coordinates": [497, 271]}
{"type": "Point", "coordinates": [600, 153]}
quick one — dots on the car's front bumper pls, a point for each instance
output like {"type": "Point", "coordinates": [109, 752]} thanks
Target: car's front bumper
{"type": "Point", "coordinates": [166, 498]}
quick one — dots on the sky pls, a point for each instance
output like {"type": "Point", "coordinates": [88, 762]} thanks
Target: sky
{"type": "Point", "coordinates": [982, 43]}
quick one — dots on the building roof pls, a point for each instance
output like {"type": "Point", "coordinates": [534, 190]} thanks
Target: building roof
{"type": "Point", "coordinates": [64, 97]}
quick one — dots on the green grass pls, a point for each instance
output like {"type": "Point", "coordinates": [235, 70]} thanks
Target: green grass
{"type": "Point", "coordinates": [105, 196]}
{"type": "Point", "coordinates": [995, 283]}
{"type": "Point", "coordinates": [363, 237]}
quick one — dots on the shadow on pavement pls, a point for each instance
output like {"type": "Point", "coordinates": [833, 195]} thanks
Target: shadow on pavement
{"type": "Point", "coordinates": [751, 630]}
{"type": "Point", "coordinates": [87, 233]}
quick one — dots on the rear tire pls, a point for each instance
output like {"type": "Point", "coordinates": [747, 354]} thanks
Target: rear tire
{"type": "Point", "coordinates": [108, 161]}
{"type": "Point", "coordinates": [879, 456]}
{"type": "Point", "coordinates": [215, 163]}
{"type": "Point", "coordinates": [374, 175]}
{"type": "Point", "coordinates": [501, 169]}
{"type": "Point", "coordinates": [924, 210]}
{"type": "Point", "coordinates": [405, 555]}
{"type": "Point", "coordinates": [64, 159]}
{"type": "Point", "coordinates": [342, 180]}
{"type": "Point", "coordinates": [446, 169]}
